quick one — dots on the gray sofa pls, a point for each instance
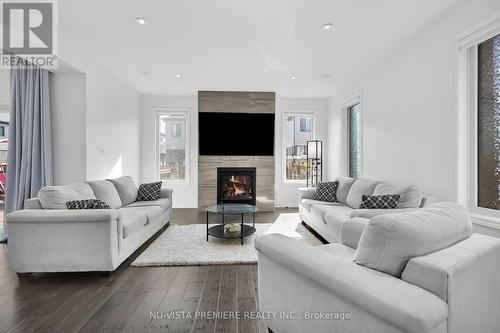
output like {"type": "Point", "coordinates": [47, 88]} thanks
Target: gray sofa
{"type": "Point", "coordinates": [47, 237]}
{"type": "Point", "coordinates": [419, 272]}
{"type": "Point", "coordinates": [329, 219]}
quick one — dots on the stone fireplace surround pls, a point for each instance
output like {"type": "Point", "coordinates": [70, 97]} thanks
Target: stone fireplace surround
{"type": "Point", "coordinates": [245, 102]}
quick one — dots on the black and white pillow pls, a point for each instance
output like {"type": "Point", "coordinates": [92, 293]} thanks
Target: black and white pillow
{"type": "Point", "coordinates": [326, 191]}
{"type": "Point", "coordinates": [379, 201]}
{"type": "Point", "coordinates": [87, 204]}
{"type": "Point", "coordinates": [149, 192]}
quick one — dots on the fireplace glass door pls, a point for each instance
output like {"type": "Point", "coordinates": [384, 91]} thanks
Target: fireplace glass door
{"type": "Point", "coordinates": [236, 185]}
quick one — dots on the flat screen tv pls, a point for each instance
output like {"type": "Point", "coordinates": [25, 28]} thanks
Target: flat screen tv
{"type": "Point", "coordinates": [242, 134]}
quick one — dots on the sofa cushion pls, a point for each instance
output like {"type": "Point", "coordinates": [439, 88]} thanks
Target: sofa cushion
{"type": "Point", "coordinates": [351, 231]}
{"type": "Point", "coordinates": [320, 210]}
{"type": "Point", "coordinates": [390, 240]}
{"type": "Point", "coordinates": [308, 203]}
{"type": "Point", "coordinates": [379, 201]}
{"type": "Point", "coordinates": [360, 187]}
{"type": "Point", "coordinates": [334, 222]}
{"type": "Point", "coordinates": [155, 213]}
{"type": "Point", "coordinates": [164, 203]}
{"type": "Point", "coordinates": [55, 197]}
{"type": "Point", "coordinates": [326, 191]}
{"type": "Point", "coordinates": [132, 220]}
{"type": "Point", "coordinates": [338, 250]}
{"type": "Point", "coordinates": [344, 188]}
{"type": "Point", "coordinates": [410, 196]}
{"type": "Point", "coordinates": [127, 189]}
{"type": "Point", "coordinates": [105, 190]}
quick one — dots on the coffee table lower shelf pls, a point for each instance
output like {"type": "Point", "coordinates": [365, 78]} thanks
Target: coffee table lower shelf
{"type": "Point", "coordinates": [218, 231]}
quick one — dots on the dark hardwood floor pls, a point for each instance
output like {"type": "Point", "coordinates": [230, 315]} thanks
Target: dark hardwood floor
{"type": "Point", "coordinates": [133, 299]}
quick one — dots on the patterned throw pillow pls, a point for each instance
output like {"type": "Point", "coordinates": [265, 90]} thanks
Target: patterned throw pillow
{"type": "Point", "coordinates": [149, 192]}
{"type": "Point", "coordinates": [87, 204]}
{"type": "Point", "coordinates": [326, 191]}
{"type": "Point", "coordinates": [379, 201]}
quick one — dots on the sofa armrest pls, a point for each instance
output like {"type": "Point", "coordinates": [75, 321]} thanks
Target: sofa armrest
{"type": "Point", "coordinates": [465, 275]}
{"type": "Point", "coordinates": [350, 231]}
{"type": "Point", "coordinates": [166, 193]}
{"type": "Point", "coordinates": [306, 192]}
{"type": "Point", "coordinates": [403, 305]}
{"type": "Point", "coordinates": [62, 215]}
{"type": "Point", "coordinates": [369, 213]}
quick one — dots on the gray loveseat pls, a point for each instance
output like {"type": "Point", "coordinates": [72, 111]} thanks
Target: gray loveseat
{"type": "Point", "coordinates": [343, 220]}
{"type": "Point", "coordinates": [48, 237]}
{"type": "Point", "coordinates": [417, 272]}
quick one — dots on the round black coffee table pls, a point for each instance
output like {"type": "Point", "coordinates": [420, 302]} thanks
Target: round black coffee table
{"type": "Point", "coordinates": [231, 209]}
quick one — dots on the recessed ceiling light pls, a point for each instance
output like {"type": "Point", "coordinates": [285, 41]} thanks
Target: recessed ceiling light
{"type": "Point", "coordinates": [326, 76]}
{"type": "Point", "coordinates": [293, 77]}
{"type": "Point", "coordinates": [177, 75]}
{"type": "Point", "coordinates": [140, 20]}
{"type": "Point", "coordinates": [327, 26]}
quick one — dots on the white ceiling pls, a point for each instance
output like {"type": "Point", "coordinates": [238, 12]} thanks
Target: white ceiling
{"type": "Point", "coordinates": [241, 45]}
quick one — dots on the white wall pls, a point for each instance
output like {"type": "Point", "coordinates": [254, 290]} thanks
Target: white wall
{"type": "Point", "coordinates": [406, 111]}
{"type": "Point", "coordinates": [113, 127]}
{"type": "Point", "coordinates": [68, 124]}
{"type": "Point", "coordinates": [112, 117]}
{"type": "Point", "coordinates": [185, 194]}
{"type": "Point", "coordinates": [286, 193]}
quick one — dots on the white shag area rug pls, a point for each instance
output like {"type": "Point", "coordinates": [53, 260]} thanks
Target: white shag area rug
{"type": "Point", "coordinates": [186, 245]}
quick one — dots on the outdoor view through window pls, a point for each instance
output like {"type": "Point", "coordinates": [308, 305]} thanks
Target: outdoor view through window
{"type": "Point", "coordinates": [488, 124]}
{"type": "Point", "coordinates": [299, 130]}
{"type": "Point", "coordinates": [4, 132]}
{"type": "Point", "coordinates": [353, 119]}
{"type": "Point", "coordinates": [172, 146]}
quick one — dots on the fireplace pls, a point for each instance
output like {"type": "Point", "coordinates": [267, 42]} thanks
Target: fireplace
{"type": "Point", "coordinates": [236, 185]}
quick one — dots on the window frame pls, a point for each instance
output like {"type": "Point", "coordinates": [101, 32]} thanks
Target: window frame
{"type": "Point", "coordinates": [295, 113]}
{"type": "Point", "coordinates": [176, 112]}
{"type": "Point", "coordinates": [464, 108]}
{"type": "Point", "coordinates": [348, 103]}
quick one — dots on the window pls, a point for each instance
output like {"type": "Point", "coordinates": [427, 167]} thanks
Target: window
{"type": "Point", "coordinates": [171, 146]}
{"type": "Point", "coordinates": [305, 124]}
{"type": "Point", "coordinates": [2, 130]}
{"type": "Point", "coordinates": [298, 130]}
{"type": "Point", "coordinates": [488, 124]}
{"type": "Point", "coordinates": [354, 139]}
{"type": "Point", "coordinates": [176, 130]}
{"type": "Point", "coordinates": [476, 107]}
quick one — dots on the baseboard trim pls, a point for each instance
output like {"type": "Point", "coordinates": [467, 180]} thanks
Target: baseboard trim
{"type": "Point", "coordinates": [318, 236]}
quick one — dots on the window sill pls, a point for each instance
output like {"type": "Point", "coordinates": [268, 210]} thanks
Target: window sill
{"type": "Point", "coordinates": [174, 182]}
{"type": "Point", "coordinates": [295, 182]}
{"type": "Point", "coordinates": [486, 221]}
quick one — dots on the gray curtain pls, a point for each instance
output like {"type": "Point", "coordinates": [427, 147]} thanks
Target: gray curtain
{"type": "Point", "coordinates": [29, 159]}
